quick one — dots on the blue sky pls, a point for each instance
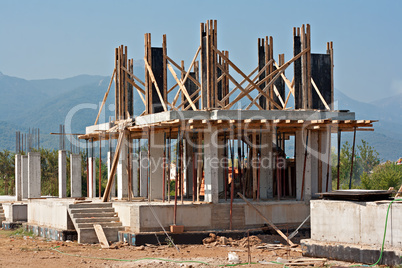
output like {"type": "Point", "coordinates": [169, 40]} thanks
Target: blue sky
{"type": "Point", "coordinates": [60, 39]}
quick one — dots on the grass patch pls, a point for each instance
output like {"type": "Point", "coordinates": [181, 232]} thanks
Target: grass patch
{"type": "Point", "coordinates": [20, 232]}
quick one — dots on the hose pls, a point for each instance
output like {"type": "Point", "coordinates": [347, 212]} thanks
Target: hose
{"type": "Point", "coordinates": [383, 239]}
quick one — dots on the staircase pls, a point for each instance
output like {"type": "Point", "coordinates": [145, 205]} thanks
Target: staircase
{"type": "Point", "coordinates": [2, 215]}
{"type": "Point", "coordinates": [85, 215]}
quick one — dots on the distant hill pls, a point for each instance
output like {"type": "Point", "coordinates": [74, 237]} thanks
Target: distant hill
{"type": "Point", "coordinates": [45, 104]}
{"type": "Point", "coordinates": [386, 138]}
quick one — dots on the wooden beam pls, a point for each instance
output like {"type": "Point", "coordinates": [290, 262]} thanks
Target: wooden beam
{"type": "Point", "coordinates": [245, 77]}
{"type": "Point", "coordinates": [182, 87]}
{"type": "Point", "coordinates": [105, 97]}
{"type": "Point", "coordinates": [237, 84]}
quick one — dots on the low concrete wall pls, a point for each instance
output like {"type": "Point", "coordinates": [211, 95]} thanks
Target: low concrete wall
{"type": "Point", "coordinates": [356, 222]}
{"type": "Point", "coordinates": [138, 217]}
{"type": "Point", "coordinates": [15, 212]}
{"type": "Point", "coordinates": [46, 212]}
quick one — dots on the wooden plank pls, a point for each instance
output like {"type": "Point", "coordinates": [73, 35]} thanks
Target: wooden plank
{"type": "Point", "coordinates": [241, 83]}
{"type": "Point", "coordinates": [132, 75]}
{"type": "Point", "coordinates": [105, 97]}
{"type": "Point", "coordinates": [101, 236]}
{"type": "Point", "coordinates": [266, 220]}
{"type": "Point", "coordinates": [151, 74]}
{"type": "Point", "coordinates": [182, 87]}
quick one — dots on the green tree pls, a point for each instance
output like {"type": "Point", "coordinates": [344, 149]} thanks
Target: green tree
{"type": "Point", "coordinates": [7, 172]}
{"type": "Point", "coordinates": [365, 159]}
{"type": "Point", "coordinates": [368, 157]}
{"type": "Point", "coordinates": [382, 177]}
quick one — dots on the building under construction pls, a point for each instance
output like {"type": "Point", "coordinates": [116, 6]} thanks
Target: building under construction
{"type": "Point", "coordinates": [221, 141]}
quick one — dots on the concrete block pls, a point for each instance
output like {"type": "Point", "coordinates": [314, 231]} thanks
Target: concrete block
{"type": "Point", "coordinates": [176, 229]}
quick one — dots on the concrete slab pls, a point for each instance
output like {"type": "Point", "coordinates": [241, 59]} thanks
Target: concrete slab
{"type": "Point", "coordinates": [97, 128]}
{"type": "Point", "coordinates": [242, 114]}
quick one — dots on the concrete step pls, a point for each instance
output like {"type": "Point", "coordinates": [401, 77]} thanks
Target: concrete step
{"type": "Point", "coordinates": [91, 210]}
{"type": "Point", "coordinates": [90, 205]}
{"type": "Point", "coordinates": [94, 215]}
{"type": "Point", "coordinates": [98, 219]}
{"type": "Point", "coordinates": [103, 224]}
{"type": "Point", "coordinates": [88, 235]}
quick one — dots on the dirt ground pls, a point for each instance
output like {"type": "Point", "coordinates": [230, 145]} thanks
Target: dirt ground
{"type": "Point", "coordinates": [20, 249]}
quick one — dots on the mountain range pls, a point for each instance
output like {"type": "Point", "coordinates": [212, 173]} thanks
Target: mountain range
{"type": "Point", "coordinates": [75, 101]}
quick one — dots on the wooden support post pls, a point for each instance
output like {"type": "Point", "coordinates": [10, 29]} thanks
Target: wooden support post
{"type": "Point", "coordinates": [254, 165]}
{"type": "Point", "coordinates": [353, 156]}
{"type": "Point", "coordinates": [199, 166]}
{"type": "Point", "coordinates": [339, 158]}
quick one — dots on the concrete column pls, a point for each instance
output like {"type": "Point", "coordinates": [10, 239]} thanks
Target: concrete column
{"type": "Point", "coordinates": [34, 175]}
{"type": "Point", "coordinates": [221, 168]}
{"type": "Point", "coordinates": [156, 166]}
{"type": "Point", "coordinates": [110, 156]}
{"type": "Point", "coordinates": [266, 177]}
{"type": "Point", "coordinates": [211, 165]}
{"type": "Point", "coordinates": [311, 186]}
{"type": "Point", "coordinates": [18, 188]}
{"type": "Point", "coordinates": [300, 138]}
{"type": "Point", "coordinates": [75, 175]}
{"type": "Point", "coordinates": [326, 149]}
{"type": "Point", "coordinates": [92, 177]}
{"type": "Point", "coordinates": [122, 176]}
{"type": "Point", "coordinates": [135, 174]}
{"type": "Point", "coordinates": [24, 176]}
{"type": "Point", "coordinates": [143, 174]}
{"type": "Point", "coordinates": [62, 174]}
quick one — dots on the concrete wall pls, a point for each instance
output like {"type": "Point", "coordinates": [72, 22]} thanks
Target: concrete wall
{"type": "Point", "coordinates": [139, 217]}
{"type": "Point", "coordinates": [356, 222]}
{"type": "Point", "coordinates": [51, 213]}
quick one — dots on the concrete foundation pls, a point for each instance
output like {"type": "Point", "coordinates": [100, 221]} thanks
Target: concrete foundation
{"type": "Point", "coordinates": [138, 216]}
{"type": "Point", "coordinates": [75, 175]}
{"type": "Point", "coordinates": [353, 231]}
{"type": "Point", "coordinates": [34, 175]}
{"type": "Point", "coordinates": [62, 174]}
